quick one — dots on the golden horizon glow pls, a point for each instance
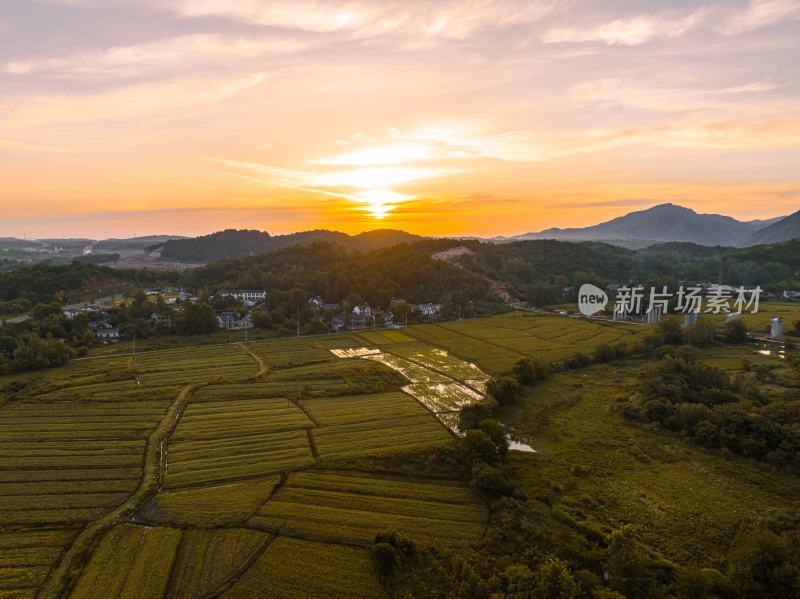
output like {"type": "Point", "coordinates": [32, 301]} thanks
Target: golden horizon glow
{"type": "Point", "coordinates": [440, 117]}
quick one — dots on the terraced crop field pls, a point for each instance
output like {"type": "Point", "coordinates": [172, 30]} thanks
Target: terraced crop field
{"type": "Point", "coordinates": [495, 344]}
{"type": "Point", "coordinates": [373, 424]}
{"type": "Point", "coordinates": [216, 471]}
{"type": "Point", "coordinates": [285, 567]}
{"type": "Point", "coordinates": [351, 507]}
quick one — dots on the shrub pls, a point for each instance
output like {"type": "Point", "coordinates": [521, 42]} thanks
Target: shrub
{"type": "Point", "coordinates": [554, 580]}
{"type": "Point", "coordinates": [472, 415]}
{"type": "Point", "coordinates": [528, 371]}
{"type": "Point", "coordinates": [385, 559]}
{"type": "Point", "coordinates": [497, 433]}
{"type": "Point", "coordinates": [763, 564]}
{"type": "Point", "coordinates": [735, 331]}
{"type": "Point", "coordinates": [479, 447]}
{"type": "Point", "coordinates": [504, 389]}
{"type": "Point", "coordinates": [604, 353]}
{"type": "Point", "coordinates": [490, 482]}
{"type": "Point", "coordinates": [579, 360]}
{"type": "Point", "coordinates": [670, 330]}
{"type": "Point", "coordinates": [700, 333]}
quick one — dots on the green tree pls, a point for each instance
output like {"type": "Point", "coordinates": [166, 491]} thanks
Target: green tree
{"type": "Point", "coordinates": [479, 447]}
{"type": "Point", "coordinates": [34, 353]}
{"type": "Point", "coordinates": [198, 318]}
{"type": "Point", "coordinates": [735, 331]}
{"type": "Point", "coordinates": [471, 416]}
{"type": "Point", "coordinates": [670, 330]}
{"type": "Point", "coordinates": [385, 559]}
{"type": "Point", "coordinates": [490, 482]}
{"type": "Point", "coordinates": [528, 371]}
{"type": "Point", "coordinates": [554, 580]}
{"type": "Point", "coordinates": [504, 389]}
{"type": "Point", "coordinates": [627, 569]}
{"type": "Point", "coordinates": [764, 564]}
{"type": "Point", "coordinates": [497, 433]}
{"type": "Point", "coordinates": [700, 333]}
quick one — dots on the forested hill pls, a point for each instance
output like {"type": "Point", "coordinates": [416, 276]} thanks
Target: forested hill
{"type": "Point", "coordinates": [74, 282]}
{"type": "Point", "coordinates": [334, 272]}
{"type": "Point", "coordinates": [539, 270]}
{"type": "Point", "coordinates": [233, 243]}
{"type": "Point", "coordinates": [443, 270]}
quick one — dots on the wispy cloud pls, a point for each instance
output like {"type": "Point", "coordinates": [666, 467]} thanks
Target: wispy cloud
{"type": "Point", "coordinates": [32, 147]}
{"type": "Point", "coordinates": [615, 92]}
{"type": "Point", "coordinates": [627, 32]}
{"type": "Point", "coordinates": [643, 28]}
{"type": "Point", "coordinates": [170, 99]}
{"type": "Point", "coordinates": [724, 135]}
{"type": "Point", "coordinates": [456, 19]}
{"type": "Point", "coordinates": [181, 52]}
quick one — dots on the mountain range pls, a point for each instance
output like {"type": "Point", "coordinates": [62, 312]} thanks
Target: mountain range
{"type": "Point", "coordinates": [669, 222]}
{"type": "Point", "coordinates": [665, 223]}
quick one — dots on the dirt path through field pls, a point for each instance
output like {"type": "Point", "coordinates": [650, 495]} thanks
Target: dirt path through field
{"type": "Point", "coordinates": [263, 367]}
{"type": "Point", "coordinates": [69, 567]}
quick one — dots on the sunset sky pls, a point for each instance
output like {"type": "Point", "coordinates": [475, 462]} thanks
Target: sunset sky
{"type": "Point", "coordinates": [468, 117]}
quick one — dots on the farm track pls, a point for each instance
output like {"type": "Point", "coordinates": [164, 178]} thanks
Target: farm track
{"type": "Point", "coordinates": [62, 575]}
{"type": "Point", "coordinates": [263, 367]}
{"type": "Point", "coordinates": [66, 571]}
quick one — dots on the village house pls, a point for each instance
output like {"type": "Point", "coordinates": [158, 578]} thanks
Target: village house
{"type": "Point", "coordinates": [249, 297]}
{"type": "Point", "coordinates": [361, 317]}
{"type": "Point", "coordinates": [316, 303]}
{"type": "Point", "coordinates": [234, 320]}
{"type": "Point", "coordinates": [387, 318]}
{"type": "Point", "coordinates": [338, 321]}
{"type": "Point", "coordinates": [104, 333]}
{"type": "Point", "coordinates": [161, 320]}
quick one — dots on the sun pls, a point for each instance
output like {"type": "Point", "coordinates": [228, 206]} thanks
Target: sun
{"type": "Point", "coordinates": [378, 203]}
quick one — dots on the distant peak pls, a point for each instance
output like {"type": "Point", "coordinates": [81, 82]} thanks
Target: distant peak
{"type": "Point", "coordinates": [672, 208]}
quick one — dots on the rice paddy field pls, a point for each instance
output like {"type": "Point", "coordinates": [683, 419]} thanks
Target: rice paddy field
{"type": "Point", "coordinates": [472, 349]}
{"type": "Point", "coordinates": [244, 470]}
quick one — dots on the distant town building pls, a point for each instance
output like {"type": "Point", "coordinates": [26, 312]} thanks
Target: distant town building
{"type": "Point", "coordinates": [249, 297]}
{"type": "Point", "coordinates": [234, 320]}
{"type": "Point", "coordinates": [791, 295]}
{"type": "Point", "coordinates": [689, 318]}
